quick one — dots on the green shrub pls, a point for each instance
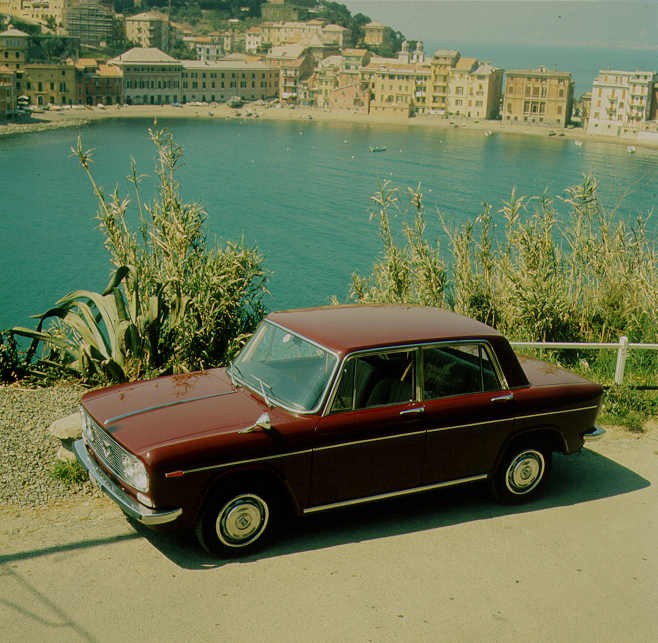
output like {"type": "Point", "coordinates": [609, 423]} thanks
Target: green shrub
{"type": "Point", "coordinates": [172, 303]}
{"type": "Point", "coordinates": [70, 472]}
{"type": "Point", "coordinates": [10, 367]}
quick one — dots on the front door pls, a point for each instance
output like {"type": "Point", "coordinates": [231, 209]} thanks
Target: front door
{"type": "Point", "coordinates": [372, 441]}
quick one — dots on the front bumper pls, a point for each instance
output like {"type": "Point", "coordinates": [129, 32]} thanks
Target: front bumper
{"type": "Point", "coordinates": [128, 504]}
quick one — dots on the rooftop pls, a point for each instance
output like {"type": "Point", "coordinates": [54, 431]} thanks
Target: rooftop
{"type": "Point", "coordinates": [353, 327]}
{"type": "Point", "coordinates": [143, 55]}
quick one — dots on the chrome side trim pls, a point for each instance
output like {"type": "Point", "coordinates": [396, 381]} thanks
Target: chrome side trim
{"type": "Point", "coordinates": [537, 415]}
{"type": "Point", "coordinates": [385, 437]}
{"type": "Point", "coordinates": [164, 405]}
{"type": "Point", "coordinates": [393, 494]}
{"type": "Point", "coordinates": [367, 440]}
{"type": "Point", "coordinates": [511, 418]}
{"type": "Point", "coordinates": [128, 504]}
{"type": "Point", "coordinates": [236, 463]}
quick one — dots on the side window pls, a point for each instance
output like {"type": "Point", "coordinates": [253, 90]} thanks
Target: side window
{"type": "Point", "coordinates": [375, 380]}
{"type": "Point", "coordinates": [457, 369]}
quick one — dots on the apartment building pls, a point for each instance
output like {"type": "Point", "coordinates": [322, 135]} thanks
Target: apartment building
{"type": "Point", "coordinates": [474, 89]}
{"type": "Point", "coordinates": [278, 10]}
{"type": "Point", "coordinates": [205, 47]}
{"type": "Point", "coordinates": [303, 33]}
{"type": "Point", "coordinates": [49, 84]}
{"type": "Point", "coordinates": [148, 30]}
{"type": "Point", "coordinates": [150, 77]}
{"type": "Point", "coordinates": [98, 83]}
{"type": "Point", "coordinates": [396, 86]}
{"type": "Point", "coordinates": [441, 65]}
{"type": "Point", "coordinates": [538, 96]}
{"type": "Point", "coordinates": [7, 91]}
{"type": "Point", "coordinates": [89, 20]}
{"type": "Point", "coordinates": [219, 80]}
{"type": "Point", "coordinates": [13, 48]}
{"type": "Point", "coordinates": [253, 40]}
{"type": "Point", "coordinates": [337, 81]}
{"type": "Point", "coordinates": [621, 101]}
{"type": "Point", "coordinates": [374, 33]}
{"type": "Point", "coordinates": [295, 65]}
{"type": "Point", "coordinates": [40, 10]}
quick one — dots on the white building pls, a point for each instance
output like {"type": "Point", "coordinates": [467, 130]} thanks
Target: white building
{"type": "Point", "coordinates": [621, 101]}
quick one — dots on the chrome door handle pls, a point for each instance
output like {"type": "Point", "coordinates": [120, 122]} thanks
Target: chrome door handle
{"type": "Point", "coordinates": [418, 410]}
{"type": "Point", "coordinates": [503, 398]}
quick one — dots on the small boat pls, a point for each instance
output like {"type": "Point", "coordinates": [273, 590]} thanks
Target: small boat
{"type": "Point", "coordinates": [377, 148]}
{"type": "Point", "coordinates": [578, 143]}
{"type": "Point", "coordinates": [488, 133]}
{"type": "Point", "coordinates": [551, 132]}
{"type": "Point", "coordinates": [631, 149]}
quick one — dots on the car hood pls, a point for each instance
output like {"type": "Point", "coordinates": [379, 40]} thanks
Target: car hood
{"type": "Point", "coordinates": [144, 415]}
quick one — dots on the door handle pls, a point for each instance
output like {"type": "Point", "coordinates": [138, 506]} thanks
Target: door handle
{"type": "Point", "coordinates": [417, 410]}
{"type": "Point", "coordinates": [508, 397]}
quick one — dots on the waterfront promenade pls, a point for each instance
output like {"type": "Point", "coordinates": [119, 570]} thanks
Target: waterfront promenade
{"type": "Point", "coordinates": [79, 117]}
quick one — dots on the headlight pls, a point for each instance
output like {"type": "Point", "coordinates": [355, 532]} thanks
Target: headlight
{"type": "Point", "coordinates": [135, 472]}
{"type": "Point", "coordinates": [87, 431]}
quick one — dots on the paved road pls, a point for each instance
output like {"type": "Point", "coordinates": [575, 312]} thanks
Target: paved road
{"type": "Point", "coordinates": [579, 565]}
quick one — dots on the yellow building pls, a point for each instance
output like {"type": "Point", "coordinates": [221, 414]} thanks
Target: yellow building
{"type": "Point", "coordinates": [295, 65]}
{"type": "Point", "coordinates": [233, 76]}
{"type": "Point", "coordinates": [150, 29]}
{"type": "Point", "coordinates": [150, 77]}
{"type": "Point", "coordinates": [13, 48]}
{"type": "Point", "coordinates": [538, 96]}
{"type": "Point", "coordinates": [396, 87]}
{"type": "Point", "coordinates": [474, 90]}
{"type": "Point", "coordinates": [441, 65]}
{"type": "Point", "coordinates": [374, 33]}
{"type": "Point", "coordinates": [40, 10]}
{"type": "Point", "coordinates": [49, 84]}
{"type": "Point", "coordinates": [7, 91]}
{"type": "Point", "coordinates": [337, 82]}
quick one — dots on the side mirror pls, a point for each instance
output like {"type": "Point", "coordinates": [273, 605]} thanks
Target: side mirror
{"type": "Point", "coordinates": [264, 423]}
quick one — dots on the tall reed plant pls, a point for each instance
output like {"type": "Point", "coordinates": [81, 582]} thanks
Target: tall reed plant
{"type": "Point", "coordinates": [173, 303]}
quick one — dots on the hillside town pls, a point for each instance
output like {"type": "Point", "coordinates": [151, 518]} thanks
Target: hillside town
{"type": "Point", "coordinates": [280, 57]}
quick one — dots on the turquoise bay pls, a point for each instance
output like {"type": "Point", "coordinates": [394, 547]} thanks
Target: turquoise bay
{"type": "Point", "coordinates": [297, 190]}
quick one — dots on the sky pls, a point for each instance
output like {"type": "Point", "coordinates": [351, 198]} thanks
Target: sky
{"type": "Point", "coordinates": [625, 24]}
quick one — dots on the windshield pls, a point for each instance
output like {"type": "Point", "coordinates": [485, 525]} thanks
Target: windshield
{"type": "Point", "coordinates": [286, 369]}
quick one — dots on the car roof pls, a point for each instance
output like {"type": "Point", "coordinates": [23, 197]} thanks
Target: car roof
{"type": "Point", "coordinates": [344, 329]}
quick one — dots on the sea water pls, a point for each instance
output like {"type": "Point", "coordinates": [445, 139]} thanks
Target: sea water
{"type": "Point", "coordinates": [299, 191]}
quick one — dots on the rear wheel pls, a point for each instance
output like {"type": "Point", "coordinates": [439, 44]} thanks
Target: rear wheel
{"type": "Point", "coordinates": [522, 473]}
{"type": "Point", "coordinates": [237, 521]}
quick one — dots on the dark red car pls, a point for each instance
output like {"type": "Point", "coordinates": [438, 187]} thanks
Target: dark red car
{"type": "Point", "coordinates": [328, 407]}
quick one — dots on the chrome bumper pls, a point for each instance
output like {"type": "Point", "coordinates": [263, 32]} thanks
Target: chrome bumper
{"type": "Point", "coordinates": [594, 434]}
{"type": "Point", "coordinates": [128, 504]}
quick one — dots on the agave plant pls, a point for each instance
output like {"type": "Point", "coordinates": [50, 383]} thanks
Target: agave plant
{"type": "Point", "coordinates": [95, 335]}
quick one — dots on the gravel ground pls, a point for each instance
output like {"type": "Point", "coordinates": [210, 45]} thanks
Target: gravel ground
{"type": "Point", "coordinates": [27, 450]}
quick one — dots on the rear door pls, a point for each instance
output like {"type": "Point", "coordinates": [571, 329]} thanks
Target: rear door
{"type": "Point", "coordinates": [468, 410]}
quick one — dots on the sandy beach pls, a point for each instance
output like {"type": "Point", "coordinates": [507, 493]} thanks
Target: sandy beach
{"type": "Point", "coordinates": [51, 119]}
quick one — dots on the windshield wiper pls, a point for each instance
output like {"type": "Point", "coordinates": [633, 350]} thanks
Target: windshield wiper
{"type": "Point", "coordinates": [232, 368]}
{"type": "Point", "coordinates": [264, 384]}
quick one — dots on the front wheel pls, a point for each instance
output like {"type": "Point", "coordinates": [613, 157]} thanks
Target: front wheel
{"type": "Point", "coordinates": [237, 522]}
{"type": "Point", "coordinates": [522, 474]}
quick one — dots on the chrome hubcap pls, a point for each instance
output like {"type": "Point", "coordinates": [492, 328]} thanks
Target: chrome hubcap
{"type": "Point", "coordinates": [525, 472]}
{"type": "Point", "coordinates": [242, 520]}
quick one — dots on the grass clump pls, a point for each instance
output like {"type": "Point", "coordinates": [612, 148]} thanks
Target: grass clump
{"type": "Point", "coordinates": [70, 472]}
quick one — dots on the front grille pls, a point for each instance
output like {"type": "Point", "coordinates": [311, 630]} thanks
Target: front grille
{"type": "Point", "coordinates": [106, 448]}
